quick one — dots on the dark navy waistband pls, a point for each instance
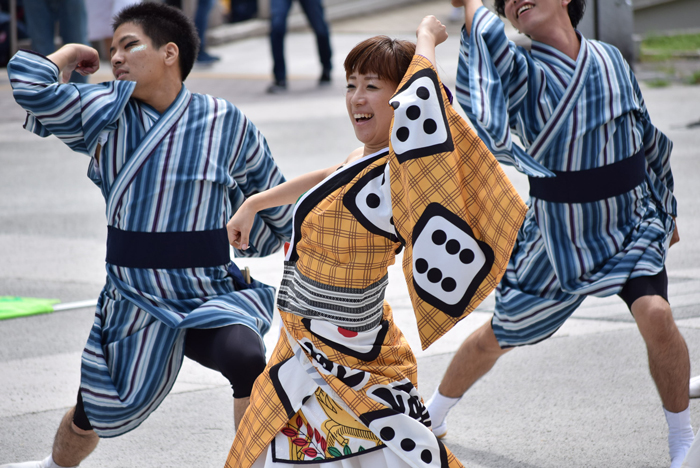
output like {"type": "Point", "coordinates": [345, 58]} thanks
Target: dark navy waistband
{"type": "Point", "coordinates": [190, 249]}
{"type": "Point", "coordinates": [592, 184]}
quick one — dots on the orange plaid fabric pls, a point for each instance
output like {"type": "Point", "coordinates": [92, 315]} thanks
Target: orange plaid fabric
{"type": "Point", "coordinates": [469, 182]}
{"type": "Point", "coordinates": [336, 249]}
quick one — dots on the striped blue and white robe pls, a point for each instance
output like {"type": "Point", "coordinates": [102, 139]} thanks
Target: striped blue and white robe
{"type": "Point", "coordinates": [186, 170]}
{"type": "Point", "coordinates": [566, 250]}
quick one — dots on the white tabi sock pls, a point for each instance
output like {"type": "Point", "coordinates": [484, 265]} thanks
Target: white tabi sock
{"type": "Point", "coordinates": [438, 407]}
{"type": "Point", "coordinates": [680, 435]}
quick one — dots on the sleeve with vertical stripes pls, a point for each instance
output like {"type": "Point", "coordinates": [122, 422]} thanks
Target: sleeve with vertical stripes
{"type": "Point", "coordinates": [492, 83]}
{"type": "Point", "coordinates": [657, 149]}
{"type": "Point", "coordinates": [255, 171]}
{"type": "Point", "coordinates": [74, 113]}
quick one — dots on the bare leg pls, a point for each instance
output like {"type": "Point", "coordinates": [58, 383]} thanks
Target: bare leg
{"type": "Point", "coordinates": [474, 358]}
{"type": "Point", "coordinates": [669, 365]}
{"type": "Point", "coordinates": [239, 407]}
{"type": "Point", "coordinates": [72, 444]}
{"type": "Point", "coordinates": [669, 362]}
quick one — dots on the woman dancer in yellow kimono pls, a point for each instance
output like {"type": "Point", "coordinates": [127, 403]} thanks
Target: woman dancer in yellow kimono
{"type": "Point", "coordinates": [340, 388]}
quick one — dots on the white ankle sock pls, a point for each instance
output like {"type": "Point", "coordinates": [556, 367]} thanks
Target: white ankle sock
{"type": "Point", "coordinates": [438, 407]}
{"type": "Point", "coordinates": [680, 435]}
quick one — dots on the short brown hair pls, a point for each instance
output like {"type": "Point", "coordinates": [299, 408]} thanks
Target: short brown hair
{"type": "Point", "coordinates": [388, 58]}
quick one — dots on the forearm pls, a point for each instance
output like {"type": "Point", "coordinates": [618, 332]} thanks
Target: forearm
{"type": "Point", "coordinates": [63, 57]}
{"type": "Point", "coordinates": [287, 192]}
{"type": "Point", "coordinates": [242, 223]}
{"type": "Point", "coordinates": [425, 46]}
{"type": "Point", "coordinates": [470, 7]}
{"type": "Point", "coordinates": [75, 57]}
{"type": "Point", "coordinates": [429, 34]}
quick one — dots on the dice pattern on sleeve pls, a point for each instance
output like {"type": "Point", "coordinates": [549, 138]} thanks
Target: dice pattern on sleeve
{"type": "Point", "coordinates": [420, 123]}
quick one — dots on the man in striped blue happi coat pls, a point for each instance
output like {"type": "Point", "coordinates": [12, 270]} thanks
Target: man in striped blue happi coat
{"type": "Point", "coordinates": [602, 211]}
{"type": "Point", "coordinates": [173, 166]}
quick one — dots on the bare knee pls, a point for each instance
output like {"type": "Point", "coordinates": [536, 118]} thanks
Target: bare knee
{"type": "Point", "coordinates": [654, 319]}
{"type": "Point", "coordinates": [69, 428]}
{"type": "Point", "coordinates": [88, 434]}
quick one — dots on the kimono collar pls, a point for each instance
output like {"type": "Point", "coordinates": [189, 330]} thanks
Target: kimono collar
{"type": "Point", "coordinates": [153, 112]}
{"type": "Point", "coordinates": [363, 158]}
{"type": "Point", "coordinates": [566, 104]}
{"type": "Point", "coordinates": [550, 54]}
{"type": "Point", "coordinates": [161, 128]}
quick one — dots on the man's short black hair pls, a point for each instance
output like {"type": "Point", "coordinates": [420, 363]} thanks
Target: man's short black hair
{"type": "Point", "coordinates": [163, 24]}
{"type": "Point", "coordinates": [576, 10]}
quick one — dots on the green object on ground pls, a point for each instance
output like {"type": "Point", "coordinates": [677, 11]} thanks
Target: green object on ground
{"type": "Point", "coordinates": [13, 306]}
{"type": "Point", "coordinates": [655, 48]}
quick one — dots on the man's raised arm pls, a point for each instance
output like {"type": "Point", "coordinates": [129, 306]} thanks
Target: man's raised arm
{"type": "Point", "coordinates": [81, 58]}
{"type": "Point", "coordinates": [470, 7]}
{"type": "Point", "coordinates": [75, 114]}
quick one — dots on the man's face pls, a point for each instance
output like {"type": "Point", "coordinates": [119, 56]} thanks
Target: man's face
{"type": "Point", "coordinates": [535, 17]}
{"type": "Point", "coordinates": [134, 58]}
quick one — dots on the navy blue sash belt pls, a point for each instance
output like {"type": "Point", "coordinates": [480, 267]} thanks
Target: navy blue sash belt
{"type": "Point", "coordinates": [591, 184]}
{"type": "Point", "coordinates": [191, 249]}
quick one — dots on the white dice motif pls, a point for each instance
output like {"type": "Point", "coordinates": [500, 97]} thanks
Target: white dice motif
{"type": "Point", "coordinates": [446, 260]}
{"type": "Point", "coordinates": [419, 119]}
{"type": "Point", "coordinates": [409, 439]}
{"type": "Point", "coordinates": [369, 200]}
{"type": "Point", "coordinates": [374, 202]}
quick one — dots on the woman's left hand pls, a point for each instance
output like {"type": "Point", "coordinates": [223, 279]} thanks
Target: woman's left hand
{"type": "Point", "coordinates": [239, 226]}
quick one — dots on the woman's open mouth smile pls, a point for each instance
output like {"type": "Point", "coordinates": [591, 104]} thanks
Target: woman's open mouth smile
{"type": "Point", "coordinates": [360, 118]}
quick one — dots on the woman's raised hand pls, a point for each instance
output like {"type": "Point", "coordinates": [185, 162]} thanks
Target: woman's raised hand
{"type": "Point", "coordinates": [429, 34]}
{"type": "Point", "coordinates": [432, 28]}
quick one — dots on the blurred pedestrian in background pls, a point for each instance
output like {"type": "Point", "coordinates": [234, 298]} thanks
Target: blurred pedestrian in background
{"type": "Point", "coordinates": [242, 10]}
{"type": "Point", "coordinates": [41, 17]}
{"type": "Point", "coordinates": [5, 29]}
{"type": "Point", "coordinates": [99, 20]}
{"type": "Point", "coordinates": [201, 22]}
{"type": "Point", "coordinates": [313, 9]}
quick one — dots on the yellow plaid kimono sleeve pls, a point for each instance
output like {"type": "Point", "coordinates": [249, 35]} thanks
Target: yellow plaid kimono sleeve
{"type": "Point", "coordinates": [453, 205]}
